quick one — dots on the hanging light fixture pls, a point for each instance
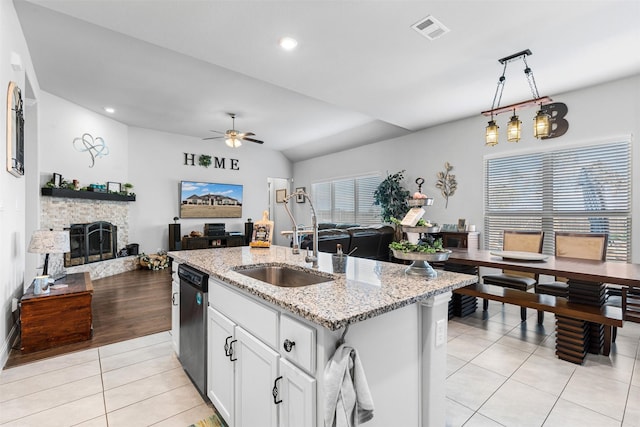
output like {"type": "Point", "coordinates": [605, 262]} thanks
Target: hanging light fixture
{"type": "Point", "coordinates": [542, 120]}
{"type": "Point", "coordinates": [513, 128]}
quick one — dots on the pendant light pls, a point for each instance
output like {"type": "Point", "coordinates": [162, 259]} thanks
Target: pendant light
{"type": "Point", "coordinates": [513, 128]}
{"type": "Point", "coordinates": [491, 135]}
{"type": "Point", "coordinates": [542, 120]}
{"type": "Point", "coordinates": [541, 124]}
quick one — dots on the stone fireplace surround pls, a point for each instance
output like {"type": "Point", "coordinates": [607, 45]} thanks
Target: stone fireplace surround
{"type": "Point", "coordinates": [59, 213]}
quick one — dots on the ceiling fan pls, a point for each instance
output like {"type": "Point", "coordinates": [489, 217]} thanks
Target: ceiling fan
{"type": "Point", "coordinates": [234, 138]}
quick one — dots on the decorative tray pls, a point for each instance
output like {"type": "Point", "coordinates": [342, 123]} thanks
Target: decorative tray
{"type": "Point", "coordinates": [421, 256]}
{"type": "Point", "coordinates": [418, 229]}
{"type": "Point", "coordinates": [520, 256]}
{"type": "Point", "coordinates": [420, 202]}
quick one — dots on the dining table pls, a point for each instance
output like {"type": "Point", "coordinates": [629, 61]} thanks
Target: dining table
{"type": "Point", "coordinates": [587, 287]}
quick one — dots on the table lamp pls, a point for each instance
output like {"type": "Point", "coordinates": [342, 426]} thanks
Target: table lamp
{"type": "Point", "coordinates": [49, 242]}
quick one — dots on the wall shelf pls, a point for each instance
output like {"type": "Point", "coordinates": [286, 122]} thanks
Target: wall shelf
{"type": "Point", "coordinates": [83, 194]}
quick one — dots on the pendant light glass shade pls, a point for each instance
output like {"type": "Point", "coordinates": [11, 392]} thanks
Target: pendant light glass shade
{"type": "Point", "coordinates": [491, 135]}
{"type": "Point", "coordinates": [513, 129]}
{"type": "Point", "coordinates": [541, 125]}
{"type": "Point", "coordinates": [233, 142]}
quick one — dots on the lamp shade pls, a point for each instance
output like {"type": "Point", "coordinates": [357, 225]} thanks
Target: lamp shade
{"type": "Point", "coordinates": [491, 135]}
{"type": "Point", "coordinates": [513, 129]}
{"type": "Point", "coordinates": [541, 125]}
{"type": "Point", "coordinates": [49, 242]}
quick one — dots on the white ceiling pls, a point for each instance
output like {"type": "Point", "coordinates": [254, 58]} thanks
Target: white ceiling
{"type": "Point", "coordinates": [360, 73]}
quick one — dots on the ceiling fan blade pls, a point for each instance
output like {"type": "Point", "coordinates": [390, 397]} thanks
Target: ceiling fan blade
{"type": "Point", "coordinates": [257, 141]}
{"type": "Point", "coordinates": [213, 137]}
{"type": "Point", "coordinates": [242, 135]}
{"type": "Point", "coordinates": [217, 131]}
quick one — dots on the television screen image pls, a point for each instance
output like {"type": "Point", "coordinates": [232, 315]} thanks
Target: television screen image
{"type": "Point", "coordinates": [210, 200]}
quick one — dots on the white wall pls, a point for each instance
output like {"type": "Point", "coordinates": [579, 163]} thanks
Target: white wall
{"type": "Point", "coordinates": [600, 113]}
{"type": "Point", "coordinates": [13, 190]}
{"type": "Point", "coordinates": [61, 122]}
{"type": "Point", "coordinates": [157, 167]}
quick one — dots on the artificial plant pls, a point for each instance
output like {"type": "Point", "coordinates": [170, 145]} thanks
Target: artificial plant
{"type": "Point", "coordinates": [392, 197]}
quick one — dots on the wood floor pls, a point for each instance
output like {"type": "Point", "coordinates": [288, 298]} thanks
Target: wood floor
{"type": "Point", "coordinates": [125, 306]}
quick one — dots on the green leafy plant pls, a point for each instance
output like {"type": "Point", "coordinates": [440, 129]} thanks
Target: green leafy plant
{"type": "Point", "coordinates": [422, 246]}
{"type": "Point", "coordinates": [391, 196]}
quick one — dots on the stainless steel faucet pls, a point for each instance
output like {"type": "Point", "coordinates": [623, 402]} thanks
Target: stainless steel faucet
{"type": "Point", "coordinates": [314, 224]}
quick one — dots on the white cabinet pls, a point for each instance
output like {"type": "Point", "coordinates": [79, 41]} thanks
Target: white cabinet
{"type": "Point", "coordinates": [256, 375]}
{"type": "Point", "coordinates": [175, 308]}
{"type": "Point", "coordinates": [249, 383]}
{"type": "Point", "coordinates": [220, 365]}
{"type": "Point", "coordinates": [298, 393]}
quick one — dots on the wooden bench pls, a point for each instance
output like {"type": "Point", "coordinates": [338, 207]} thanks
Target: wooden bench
{"type": "Point", "coordinates": [607, 316]}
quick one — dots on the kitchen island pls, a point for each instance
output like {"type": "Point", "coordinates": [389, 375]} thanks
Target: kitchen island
{"type": "Point", "coordinates": [397, 322]}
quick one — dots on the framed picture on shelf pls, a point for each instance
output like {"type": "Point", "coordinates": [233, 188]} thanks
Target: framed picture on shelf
{"type": "Point", "coordinates": [57, 180]}
{"type": "Point", "coordinates": [462, 225]}
{"type": "Point", "coordinates": [280, 195]}
{"type": "Point", "coordinates": [114, 187]}
{"type": "Point", "coordinates": [300, 197]}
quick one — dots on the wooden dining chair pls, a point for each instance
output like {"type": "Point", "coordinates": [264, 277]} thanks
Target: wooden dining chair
{"type": "Point", "coordinates": [521, 241]}
{"type": "Point", "coordinates": [573, 245]}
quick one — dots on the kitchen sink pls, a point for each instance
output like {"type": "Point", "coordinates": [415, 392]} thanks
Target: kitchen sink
{"type": "Point", "coordinates": [283, 276]}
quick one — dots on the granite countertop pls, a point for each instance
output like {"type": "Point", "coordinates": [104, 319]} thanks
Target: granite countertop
{"type": "Point", "coordinates": [367, 289]}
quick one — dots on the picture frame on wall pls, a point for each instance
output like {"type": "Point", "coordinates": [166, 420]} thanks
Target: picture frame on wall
{"type": "Point", "coordinates": [300, 197]}
{"type": "Point", "coordinates": [114, 187]}
{"type": "Point", "coordinates": [281, 195]}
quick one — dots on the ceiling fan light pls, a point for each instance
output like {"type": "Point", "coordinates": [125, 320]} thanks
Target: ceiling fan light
{"type": "Point", "coordinates": [491, 134]}
{"type": "Point", "coordinates": [513, 129]}
{"type": "Point", "coordinates": [233, 142]}
{"type": "Point", "coordinates": [541, 125]}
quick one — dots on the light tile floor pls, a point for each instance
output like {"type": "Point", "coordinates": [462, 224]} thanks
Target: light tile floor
{"type": "Point", "coordinates": [501, 372]}
{"type": "Point", "coordinates": [139, 382]}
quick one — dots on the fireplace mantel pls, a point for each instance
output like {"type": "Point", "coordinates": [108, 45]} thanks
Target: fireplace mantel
{"type": "Point", "coordinates": [92, 195]}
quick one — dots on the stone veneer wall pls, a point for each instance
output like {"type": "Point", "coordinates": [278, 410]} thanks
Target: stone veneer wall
{"type": "Point", "coordinates": [60, 212]}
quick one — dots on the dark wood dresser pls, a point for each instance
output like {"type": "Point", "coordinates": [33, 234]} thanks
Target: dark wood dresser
{"type": "Point", "coordinates": [61, 317]}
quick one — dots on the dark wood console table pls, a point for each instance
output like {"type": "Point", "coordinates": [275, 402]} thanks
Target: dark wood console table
{"type": "Point", "coordinates": [206, 242]}
{"type": "Point", "coordinates": [60, 317]}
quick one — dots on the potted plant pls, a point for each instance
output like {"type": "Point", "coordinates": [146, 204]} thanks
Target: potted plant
{"type": "Point", "coordinates": [391, 196]}
{"type": "Point", "coordinates": [127, 187]}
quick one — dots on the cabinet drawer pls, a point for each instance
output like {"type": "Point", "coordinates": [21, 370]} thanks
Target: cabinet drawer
{"type": "Point", "coordinates": [257, 318]}
{"type": "Point", "coordinates": [303, 352]}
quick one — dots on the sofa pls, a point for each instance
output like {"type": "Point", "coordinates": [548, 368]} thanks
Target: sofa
{"type": "Point", "coordinates": [370, 242]}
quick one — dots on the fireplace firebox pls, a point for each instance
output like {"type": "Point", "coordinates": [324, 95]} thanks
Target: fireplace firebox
{"type": "Point", "coordinates": [93, 242]}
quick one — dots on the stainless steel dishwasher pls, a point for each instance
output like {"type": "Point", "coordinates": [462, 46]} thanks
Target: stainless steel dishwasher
{"type": "Point", "coordinates": [194, 288]}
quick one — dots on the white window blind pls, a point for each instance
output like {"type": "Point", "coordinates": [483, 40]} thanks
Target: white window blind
{"type": "Point", "coordinates": [584, 189]}
{"type": "Point", "coordinates": [347, 200]}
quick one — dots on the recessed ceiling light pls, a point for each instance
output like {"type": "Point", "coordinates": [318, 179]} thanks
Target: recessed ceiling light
{"type": "Point", "coordinates": [110, 110]}
{"type": "Point", "coordinates": [288, 43]}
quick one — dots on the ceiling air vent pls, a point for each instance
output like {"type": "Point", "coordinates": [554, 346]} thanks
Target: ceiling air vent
{"type": "Point", "coordinates": [430, 27]}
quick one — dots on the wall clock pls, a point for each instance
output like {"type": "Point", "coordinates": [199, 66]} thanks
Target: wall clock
{"type": "Point", "coordinates": [15, 131]}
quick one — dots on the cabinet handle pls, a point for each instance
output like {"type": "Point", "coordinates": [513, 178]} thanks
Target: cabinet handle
{"type": "Point", "coordinates": [226, 346]}
{"type": "Point", "coordinates": [288, 345]}
{"type": "Point", "coordinates": [173, 298]}
{"type": "Point", "coordinates": [231, 351]}
{"type": "Point", "coordinates": [275, 392]}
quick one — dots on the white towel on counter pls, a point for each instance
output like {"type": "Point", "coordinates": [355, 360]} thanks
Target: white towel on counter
{"type": "Point", "coordinates": [348, 401]}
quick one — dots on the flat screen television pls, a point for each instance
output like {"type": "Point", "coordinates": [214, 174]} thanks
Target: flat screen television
{"type": "Point", "coordinates": [210, 200]}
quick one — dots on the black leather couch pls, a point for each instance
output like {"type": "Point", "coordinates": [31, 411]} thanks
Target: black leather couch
{"type": "Point", "coordinates": [370, 242]}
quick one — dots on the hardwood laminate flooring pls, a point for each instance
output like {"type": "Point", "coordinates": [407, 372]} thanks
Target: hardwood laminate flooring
{"type": "Point", "coordinates": [125, 306]}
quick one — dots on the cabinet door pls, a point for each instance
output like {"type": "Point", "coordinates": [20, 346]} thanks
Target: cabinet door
{"type": "Point", "coordinates": [220, 367]}
{"type": "Point", "coordinates": [256, 374]}
{"type": "Point", "coordinates": [175, 314]}
{"type": "Point", "coordinates": [298, 394]}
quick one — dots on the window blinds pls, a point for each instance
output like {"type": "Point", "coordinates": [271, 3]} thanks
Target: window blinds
{"type": "Point", "coordinates": [582, 189]}
{"type": "Point", "coordinates": [347, 200]}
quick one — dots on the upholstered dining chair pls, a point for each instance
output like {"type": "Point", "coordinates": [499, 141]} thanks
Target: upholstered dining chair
{"type": "Point", "coordinates": [521, 241]}
{"type": "Point", "coordinates": [573, 245]}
